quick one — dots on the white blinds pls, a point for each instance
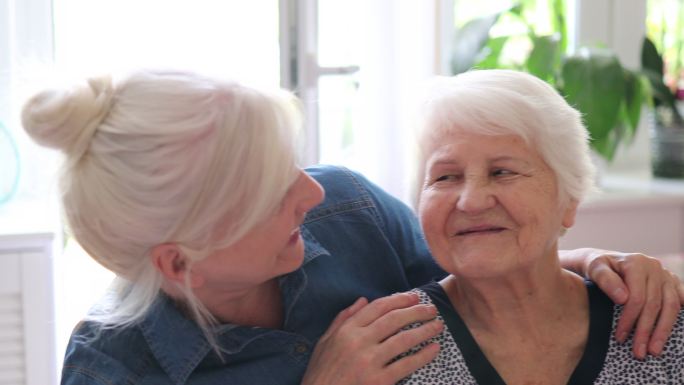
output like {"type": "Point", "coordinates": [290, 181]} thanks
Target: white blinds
{"type": "Point", "coordinates": [12, 367]}
{"type": "Point", "coordinates": [27, 322]}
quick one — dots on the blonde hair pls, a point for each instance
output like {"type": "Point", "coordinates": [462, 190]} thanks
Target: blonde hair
{"type": "Point", "coordinates": [164, 156]}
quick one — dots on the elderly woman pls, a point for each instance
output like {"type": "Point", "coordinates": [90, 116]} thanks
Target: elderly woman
{"type": "Point", "coordinates": [231, 266]}
{"type": "Point", "coordinates": [504, 164]}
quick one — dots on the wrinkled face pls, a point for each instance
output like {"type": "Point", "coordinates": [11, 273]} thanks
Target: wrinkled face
{"type": "Point", "coordinates": [274, 247]}
{"type": "Point", "coordinates": [490, 204]}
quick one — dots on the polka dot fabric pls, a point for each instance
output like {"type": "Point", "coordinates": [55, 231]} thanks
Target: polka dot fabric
{"type": "Point", "coordinates": [448, 367]}
{"type": "Point", "coordinates": [619, 367]}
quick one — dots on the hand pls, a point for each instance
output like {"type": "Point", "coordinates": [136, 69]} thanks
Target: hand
{"type": "Point", "coordinates": [652, 296]}
{"type": "Point", "coordinates": [362, 341]}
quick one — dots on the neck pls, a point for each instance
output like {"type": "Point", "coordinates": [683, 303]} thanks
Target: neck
{"type": "Point", "coordinates": [259, 307]}
{"type": "Point", "coordinates": [537, 316]}
{"type": "Point", "coordinates": [530, 300]}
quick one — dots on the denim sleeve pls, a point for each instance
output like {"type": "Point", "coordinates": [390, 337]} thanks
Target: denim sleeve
{"type": "Point", "coordinates": [402, 229]}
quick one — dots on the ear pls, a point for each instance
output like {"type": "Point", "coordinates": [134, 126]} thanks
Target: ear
{"type": "Point", "coordinates": [570, 214]}
{"type": "Point", "coordinates": [170, 261]}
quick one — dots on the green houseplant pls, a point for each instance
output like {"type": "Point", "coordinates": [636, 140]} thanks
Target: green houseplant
{"type": "Point", "coordinates": [608, 95]}
{"type": "Point", "coordinates": [668, 130]}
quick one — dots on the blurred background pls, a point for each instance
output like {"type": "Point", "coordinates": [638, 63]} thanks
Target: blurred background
{"type": "Point", "coordinates": [354, 64]}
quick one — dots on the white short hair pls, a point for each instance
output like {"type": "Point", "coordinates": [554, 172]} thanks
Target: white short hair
{"type": "Point", "coordinates": [502, 102]}
{"type": "Point", "coordinates": [165, 156]}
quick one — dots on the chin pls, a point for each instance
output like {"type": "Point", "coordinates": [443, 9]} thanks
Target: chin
{"type": "Point", "coordinates": [477, 265]}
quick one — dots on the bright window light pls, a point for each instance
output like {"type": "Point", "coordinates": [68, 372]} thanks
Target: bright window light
{"type": "Point", "coordinates": [232, 38]}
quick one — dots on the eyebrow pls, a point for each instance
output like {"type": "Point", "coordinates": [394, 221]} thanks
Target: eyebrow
{"type": "Point", "coordinates": [444, 163]}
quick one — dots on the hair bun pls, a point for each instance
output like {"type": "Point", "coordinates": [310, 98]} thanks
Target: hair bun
{"type": "Point", "coordinates": [67, 119]}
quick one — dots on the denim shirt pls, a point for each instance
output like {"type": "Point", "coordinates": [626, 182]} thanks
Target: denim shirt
{"type": "Point", "coordinates": [359, 241]}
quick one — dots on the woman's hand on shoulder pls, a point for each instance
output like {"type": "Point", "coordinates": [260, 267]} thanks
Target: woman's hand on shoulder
{"type": "Point", "coordinates": [361, 344]}
{"type": "Point", "coordinates": [652, 296]}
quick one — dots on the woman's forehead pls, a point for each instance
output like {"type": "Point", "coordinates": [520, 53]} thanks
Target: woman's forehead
{"type": "Point", "coordinates": [459, 148]}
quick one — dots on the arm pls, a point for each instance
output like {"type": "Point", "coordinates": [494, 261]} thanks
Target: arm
{"type": "Point", "coordinates": [361, 344]}
{"type": "Point", "coordinates": [652, 296]}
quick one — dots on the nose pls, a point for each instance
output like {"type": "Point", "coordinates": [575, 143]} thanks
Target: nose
{"type": "Point", "coordinates": [475, 196]}
{"type": "Point", "coordinates": [311, 192]}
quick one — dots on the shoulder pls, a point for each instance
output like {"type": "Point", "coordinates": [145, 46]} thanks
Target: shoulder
{"type": "Point", "coordinates": [449, 367]}
{"type": "Point", "coordinates": [341, 183]}
{"type": "Point", "coordinates": [347, 191]}
{"type": "Point", "coordinates": [674, 347]}
{"type": "Point", "coordinates": [620, 364]}
{"type": "Point", "coordinates": [96, 356]}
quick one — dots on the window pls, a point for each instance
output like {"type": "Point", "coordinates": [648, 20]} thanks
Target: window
{"type": "Point", "coordinates": [224, 38]}
{"type": "Point", "coordinates": [665, 26]}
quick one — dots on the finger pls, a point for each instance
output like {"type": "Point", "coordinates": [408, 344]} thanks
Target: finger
{"type": "Point", "coordinates": [636, 281]}
{"type": "Point", "coordinates": [382, 306]}
{"type": "Point", "coordinates": [407, 339]}
{"type": "Point", "coordinates": [606, 276]}
{"type": "Point", "coordinates": [392, 322]}
{"type": "Point", "coordinates": [668, 316]}
{"type": "Point", "coordinates": [409, 364]}
{"type": "Point", "coordinates": [680, 288]}
{"type": "Point", "coordinates": [345, 314]}
{"type": "Point", "coordinates": [647, 319]}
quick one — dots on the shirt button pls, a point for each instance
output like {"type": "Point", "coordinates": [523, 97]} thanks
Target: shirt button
{"type": "Point", "coordinates": [301, 348]}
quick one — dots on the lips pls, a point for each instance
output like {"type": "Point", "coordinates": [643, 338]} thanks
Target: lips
{"type": "Point", "coordinates": [480, 229]}
{"type": "Point", "coordinates": [294, 236]}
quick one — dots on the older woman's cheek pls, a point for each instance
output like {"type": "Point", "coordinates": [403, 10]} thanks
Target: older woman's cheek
{"type": "Point", "coordinates": [434, 216]}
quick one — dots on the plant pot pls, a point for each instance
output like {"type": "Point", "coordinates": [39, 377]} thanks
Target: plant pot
{"type": "Point", "coordinates": [667, 151]}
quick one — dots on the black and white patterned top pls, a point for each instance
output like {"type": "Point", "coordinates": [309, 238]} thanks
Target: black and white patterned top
{"type": "Point", "coordinates": [604, 361]}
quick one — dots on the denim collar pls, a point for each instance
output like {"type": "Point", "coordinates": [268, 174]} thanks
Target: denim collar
{"type": "Point", "coordinates": [178, 343]}
{"type": "Point", "coordinates": [313, 248]}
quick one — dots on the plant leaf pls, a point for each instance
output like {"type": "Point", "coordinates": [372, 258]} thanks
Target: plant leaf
{"type": "Point", "coordinates": [607, 146]}
{"type": "Point", "coordinates": [469, 41]}
{"type": "Point", "coordinates": [544, 58]}
{"type": "Point", "coordinates": [518, 8]}
{"type": "Point", "coordinates": [594, 83]}
{"type": "Point", "coordinates": [493, 51]}
{"type": "Point", "coordinates": [558, 22]}
{"type": "Point", "coordinates": [635, 98]}
{"type": "Point", "coordinates": [651, 59]}
{"type": "Point", "coordinates": [661, 93]}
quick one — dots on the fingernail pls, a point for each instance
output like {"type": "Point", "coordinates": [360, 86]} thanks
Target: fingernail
{"type": "Point", "coordinates": [438, 326]}
{"type": "Point", "coordinates": [641, 351]}
{"type": "Point", "coordinates": [357, 304]}
{"type": "Point", "coordinates": [657, 346]}
{"type": "Point", "coordinates": [620, 294]}
{"type": "Point", "coordinates": [622, 337]}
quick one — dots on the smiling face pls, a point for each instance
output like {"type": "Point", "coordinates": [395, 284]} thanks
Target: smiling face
{"type": "Point", "coordinates": [490, 204]}
{"type": "Point", "coordinates": [273, 248]}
